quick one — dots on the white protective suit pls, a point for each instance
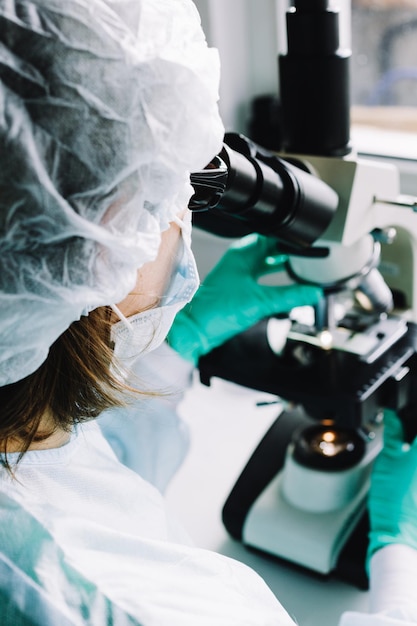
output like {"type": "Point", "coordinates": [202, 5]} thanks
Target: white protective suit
{"type": "Point", "coordinates": [92, 543]}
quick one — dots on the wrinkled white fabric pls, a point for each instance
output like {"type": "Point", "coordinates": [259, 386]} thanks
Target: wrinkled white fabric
{"type": "Point", "coordinates": [83, 540]}
{"type": "Point", "coordinates": [105, 108]}
{"type": "Point", "coordinates": [393, 599]}
{"type": "Point", "coordinates": [393, 580]}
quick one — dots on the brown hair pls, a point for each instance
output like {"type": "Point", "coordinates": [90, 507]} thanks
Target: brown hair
{"type": "Point", "coordinates": [74, 384]}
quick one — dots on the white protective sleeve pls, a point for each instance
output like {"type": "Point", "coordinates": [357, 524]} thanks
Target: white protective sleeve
{"type": "Point", "coordinates": [393, 598]}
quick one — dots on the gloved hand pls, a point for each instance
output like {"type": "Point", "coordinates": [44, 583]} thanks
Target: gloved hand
{"type": "Point", "coordinates": [393, 493]}
{"type": "Point", "coordinates": [231, 300]}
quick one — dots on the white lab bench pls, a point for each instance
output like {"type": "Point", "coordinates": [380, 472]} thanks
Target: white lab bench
{"type": "Point", "coordinates": [225, 427]}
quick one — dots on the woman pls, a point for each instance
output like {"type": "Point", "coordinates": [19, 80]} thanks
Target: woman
{"type": "Point", "coordinates": [106, 108]}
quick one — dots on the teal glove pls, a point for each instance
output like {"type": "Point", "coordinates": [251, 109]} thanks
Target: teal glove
{"type": "Point", "coordinates": [393, 493]}
{"type": "Point", "coordinates": [231, 300]}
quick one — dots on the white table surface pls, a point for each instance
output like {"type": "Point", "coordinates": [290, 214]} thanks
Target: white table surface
{"type": "Point", "coordinates": [225, 427]}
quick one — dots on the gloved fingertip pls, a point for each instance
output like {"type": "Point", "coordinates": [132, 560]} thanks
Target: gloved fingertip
{"type": "Point", "coordinates": [272, 265]}
{"type": "Point", "coordinates": [393, 428]}
{"type": "Point", "coordinates": [275, 261]}
{"type": "Point", "coordinates": [245, 242]}
{"type": "Point", "coordinates": [311, 294]}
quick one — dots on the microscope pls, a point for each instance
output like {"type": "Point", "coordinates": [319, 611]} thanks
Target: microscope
{"type": "Point", "coordinates": [344, 226]}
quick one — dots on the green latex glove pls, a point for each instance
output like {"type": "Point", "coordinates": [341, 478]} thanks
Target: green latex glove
{"type": "Point", "coordinates": [230, 300]}
{"type": "Point", "coordinates": [393, 493]}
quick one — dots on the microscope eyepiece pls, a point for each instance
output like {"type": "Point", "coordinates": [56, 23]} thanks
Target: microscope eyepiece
{"type": "Point", "coordinates": [209, 185]}
{"type": "Point", "coordinates": [248, 189]}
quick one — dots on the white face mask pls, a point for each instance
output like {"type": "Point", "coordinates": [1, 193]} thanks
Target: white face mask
{"type": "Point", "coordinates": [139, 334]}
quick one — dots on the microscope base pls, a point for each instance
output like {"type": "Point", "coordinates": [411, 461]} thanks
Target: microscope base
{"type": "Point", "coordinates": [255, 513]}
{"type": "Point", "coordinates": [312, 540]}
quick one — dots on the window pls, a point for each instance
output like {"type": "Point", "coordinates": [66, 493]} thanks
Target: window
{"type": "Point", "coordinates": [382, 35]}
{"type": "Point", "coordinates": [384, 63]}
{"type": "Point", "coordinates": [384, 83]}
